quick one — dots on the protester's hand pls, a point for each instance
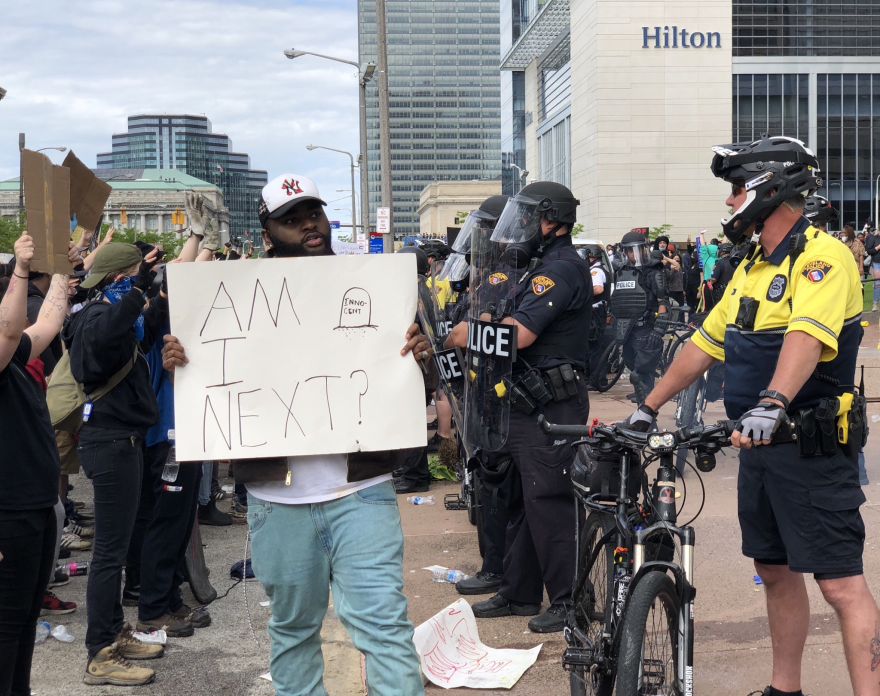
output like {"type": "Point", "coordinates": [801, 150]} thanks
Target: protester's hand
{"type": "Point", "coordinates": [417, 343]}
{"type": "Point", "coordinates": [73, 254]}
{"type": "Point", "coordinates": [23, 249]}
{"type": "Point", "coordinates": [146, 273]}
{"type": "Point", "coordinates": [108, 237]}
{"type": "Point", "coordinates": [757, 425]}
{"type": "Point", "coordinates": [173, 354]}
{"type": "Point", "coordinates": [640, 420]}
{"type": "Point", "coordinates": [196, 213]}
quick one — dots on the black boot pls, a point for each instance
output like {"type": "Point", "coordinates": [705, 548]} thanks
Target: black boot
{"type": "Point", "coordinates": [211, 516]}
{"type": "Point", "coordinates": [481, 583]}
{"type": "Point", "coordinates": [406, 486]}
{"type": "Point", "coordinates": [551, 621]}
{"type": "Point", "coordinates": [499, 606]}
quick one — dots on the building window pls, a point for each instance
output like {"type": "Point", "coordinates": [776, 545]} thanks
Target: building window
{"type": "Point", "coordinates": [554, 149]}
{"type": "Point", "coordinates": [774, 104]}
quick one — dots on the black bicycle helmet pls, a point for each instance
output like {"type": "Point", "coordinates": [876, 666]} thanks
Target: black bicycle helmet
{"type": "Point", "coordinates": [771, 170]}
{"type": "Point", "coordinates": [819, 210]}
{"type": "Point", "coordinates": [725, 248]}
{"type": "Point", "coordinates": [435, 248]}
{"type": "Point", "coordinates": [592, 251]}
{"type": "Point", "coordinates": [563, 205]}
{"type": "Point", "coordinates": [494, 205]}
{"type": "Point", "coordinates": [422, 265]}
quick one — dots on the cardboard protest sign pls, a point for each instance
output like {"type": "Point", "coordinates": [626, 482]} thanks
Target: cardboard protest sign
{"type": "Point", "coordinates": [47, 202]}
{"type": "Point", "coordinates": [88, 194]}
{"type": "Point", "coordinates": [295, 357]}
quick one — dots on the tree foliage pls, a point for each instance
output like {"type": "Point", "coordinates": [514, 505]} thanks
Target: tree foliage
{"type": "Point", "coordinates": [10, 230]}
{"type": "Point", "coordinates": [662, 231]}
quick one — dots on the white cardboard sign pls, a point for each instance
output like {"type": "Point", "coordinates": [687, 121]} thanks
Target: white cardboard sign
{"type": "Point", "coordinates": [295, 357]}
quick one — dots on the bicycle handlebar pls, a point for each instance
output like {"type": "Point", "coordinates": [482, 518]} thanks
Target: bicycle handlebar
{"type": "Point", "coordinates": [717, 435]}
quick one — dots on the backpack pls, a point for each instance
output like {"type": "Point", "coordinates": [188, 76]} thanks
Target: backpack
{"type": "Point", "coordinates": [66, 396]}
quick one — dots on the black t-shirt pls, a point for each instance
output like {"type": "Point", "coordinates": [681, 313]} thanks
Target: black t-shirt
{"type": "Point", "coordinates": [29, 465]}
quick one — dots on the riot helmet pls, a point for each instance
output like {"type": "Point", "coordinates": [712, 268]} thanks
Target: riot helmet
{"type": "Point", "coordinates": [636, 248]}
{"type": "Point", "coordinates": [819, 211]}
{"type": "Point", "coordinates": [494, 205]}
{"type": "Point", "coordinates": [422, 265]}
{"type": "Point", "coordinates": [435, 248]}
{"type": "Point", "coordinates": [725, 249]}
{"type": "Point", "coordinates": [457, 267]}
{"type": "Point", "coordinates": [771, 170]}
{"type": "Point", "coordinates": [591, 251]}
{"type": "Point", "coordinates": [519, 228]}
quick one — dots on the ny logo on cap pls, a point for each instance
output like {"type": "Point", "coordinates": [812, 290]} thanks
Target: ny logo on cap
{"type": "Point", "coordinates": [291, 186]}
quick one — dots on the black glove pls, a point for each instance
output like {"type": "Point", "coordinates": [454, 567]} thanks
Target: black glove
{"type": "Point", "coordinates": [640, 420]}
{"type": "Point", "coordinates": [761, 421]}
{"type": "Point", "coordinates": [164, 288]}
{"type": "Point", "coordinates": [145, 276]}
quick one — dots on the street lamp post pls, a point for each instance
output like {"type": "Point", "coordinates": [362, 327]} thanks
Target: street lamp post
{"type": "Point", "coordinates": [523, 173]}
{"type": "Point", "coordinates": [365, 74]}
{"type": "Point", "coordinates": [353, 203]}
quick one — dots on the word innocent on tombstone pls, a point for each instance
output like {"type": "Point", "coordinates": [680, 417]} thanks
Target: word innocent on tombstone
{"type": "Point", "coordinates": [295, 356]}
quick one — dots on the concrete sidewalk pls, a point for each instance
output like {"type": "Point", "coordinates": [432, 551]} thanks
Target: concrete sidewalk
{"type": "Point", "coordinates": [733, 645]}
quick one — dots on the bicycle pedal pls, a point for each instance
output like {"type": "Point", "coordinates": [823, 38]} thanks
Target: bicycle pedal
{"type": "Point", "coordinates": [453, 501]}
{"type": "Point", "coordinates": [573, 658]}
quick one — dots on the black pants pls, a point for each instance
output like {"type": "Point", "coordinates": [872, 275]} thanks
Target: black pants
{"type": "Point", "coordinates": [162, 562]}
{"type": "Point", "coordinates": [415, 468]}
{"type": "Point", "coordinates": [641, 360]}
{"type": "Point", "coordinates": [597, 343]}
{"type": "Point", "coordinates": [141, 522]}
{"type": "Point", "coordinates": [541, 533]}
{"type": "Point", "coordinates": [115, 469]}
{"type": "Point", "coordinates": [494, 523]}
{"type": "Point", "coordinates": [27, 542]}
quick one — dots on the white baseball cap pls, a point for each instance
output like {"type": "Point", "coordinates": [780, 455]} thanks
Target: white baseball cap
{"type": "Point", "coordinates": [283, 193]}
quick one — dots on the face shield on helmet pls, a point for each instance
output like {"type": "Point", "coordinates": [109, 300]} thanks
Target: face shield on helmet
{"type": "Point", "coordinates": [518, 230]}
{"type": "Point", "coordinates": [457, 267]}
{"type": "Point", "coordinates": [638, 254]}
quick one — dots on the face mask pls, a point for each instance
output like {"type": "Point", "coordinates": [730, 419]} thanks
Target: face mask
{"type": "Point", "coordinates": [844, 239]}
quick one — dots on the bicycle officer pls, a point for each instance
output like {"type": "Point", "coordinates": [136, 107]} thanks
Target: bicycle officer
{"type": "Point", "coordinates": [640, 295]}
{"type": "Point", "coordinates": [601, 291]}
{"type": "Point", "coordinates": [788, 329]}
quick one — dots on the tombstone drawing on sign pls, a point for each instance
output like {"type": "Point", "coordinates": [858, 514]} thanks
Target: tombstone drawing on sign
{"type": "Point", "coordinates": [356, 313]}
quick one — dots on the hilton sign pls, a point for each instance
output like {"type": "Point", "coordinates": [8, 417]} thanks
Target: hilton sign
{"type": "Point", "coordinates": [696, 39]}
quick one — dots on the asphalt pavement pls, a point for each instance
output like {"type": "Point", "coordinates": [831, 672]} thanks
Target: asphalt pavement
{"type": "Point", "coordinates": [732, 639]}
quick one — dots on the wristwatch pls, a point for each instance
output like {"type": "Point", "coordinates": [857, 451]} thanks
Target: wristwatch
{"type": "Point", "coordinates": [773, 394]}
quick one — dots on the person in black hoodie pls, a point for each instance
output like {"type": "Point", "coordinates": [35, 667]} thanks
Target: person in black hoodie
{"type": "Point", "coordinates": [111, 332]}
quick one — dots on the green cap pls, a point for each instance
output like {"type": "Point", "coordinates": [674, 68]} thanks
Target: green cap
{"type": "Point", "coordinates": [112, 258]}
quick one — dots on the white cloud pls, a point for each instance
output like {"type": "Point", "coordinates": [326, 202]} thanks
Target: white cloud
{"type": "Point", "coordinates": [75, 71]}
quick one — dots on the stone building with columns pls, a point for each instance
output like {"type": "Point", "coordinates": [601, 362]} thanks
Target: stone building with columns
{"type": "Point", "coordinates": [149, 197]}
{"type": "Point", "coordinates": [441, 202]}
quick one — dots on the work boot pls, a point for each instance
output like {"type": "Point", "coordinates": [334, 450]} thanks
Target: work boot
{"type": "Point", "coordinates": [551, 621]}
{"type": "Point", "coordinates": [481, 583]}
{"type": "Point", "coordinates": [132, 649]}
{"type": "Point", "coordinates": [434, 443]}
{"type": "Point", "coordinates": [174, 626]}
{"type": "Point", "coordinates": [211, 516]}
{"type": "Point", "coordinates": [131, 596]}
{"type": "Point", "coordinates": [198, 617]}
{"type": "Point", "coordinates": [499, 606]}
{"type": "Point", "coordinates": [406, 486]}
{"type": "Point", "coordinates": [109, 666]}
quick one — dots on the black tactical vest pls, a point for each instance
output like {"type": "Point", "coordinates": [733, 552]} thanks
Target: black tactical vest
{"type": "Point", "coordinates": [629, 300]}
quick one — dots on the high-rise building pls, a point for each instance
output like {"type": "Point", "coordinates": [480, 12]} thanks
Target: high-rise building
{"type": "Point", "coordinates": [444, 98]}
{"type": "Point", "coordinates": [186, 142]}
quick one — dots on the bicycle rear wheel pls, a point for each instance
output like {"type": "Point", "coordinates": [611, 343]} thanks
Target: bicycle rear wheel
{"type": "Point", "coordinates": [592, 609]}
{"type": "Point", "coordinates": [609, 369]}
{"type": "Point", "coordinates": [648, 657]}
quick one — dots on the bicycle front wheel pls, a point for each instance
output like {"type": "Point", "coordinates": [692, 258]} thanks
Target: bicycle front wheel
{"type": "Point", "coordinates": [648, 657]}
{"type": "Point", "coordinates": [609, 369]}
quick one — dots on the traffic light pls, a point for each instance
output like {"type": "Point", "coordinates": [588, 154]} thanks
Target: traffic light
{"type": "Point", "coordinates": [123, 216]}
{"type": "Point", "coordinates": [178, 217]}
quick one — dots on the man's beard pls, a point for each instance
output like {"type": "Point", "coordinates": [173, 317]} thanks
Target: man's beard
{"type": "Point", "coordinates": [289, 249]}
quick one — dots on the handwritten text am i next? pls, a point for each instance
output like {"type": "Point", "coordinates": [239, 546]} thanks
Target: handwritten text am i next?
{"type": "Point", "coordinates": [295, 357]}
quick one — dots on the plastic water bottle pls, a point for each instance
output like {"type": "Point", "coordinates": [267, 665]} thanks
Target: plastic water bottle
{"type": "Point", "coordinates": [450, 576]}
{"type": "Point", "coordinates": [421, 499]}
{"type": "Point", "coordinates": [75, 568]}
{"type": "Point", "coordinates": [43, 629]}
{"type": "Point", "coordinates": [172, 466]}
{"type": "Point", "coordinates": [158, 637]}
{"type": "Point", "coordinates": [60, 633]}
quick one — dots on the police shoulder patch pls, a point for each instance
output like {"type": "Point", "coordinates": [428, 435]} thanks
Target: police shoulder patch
{"type": "Point", "coordinates": [541, 284]}
{"type": "Point", "coordinates": [497, 278]}
{"type": "Point", "coordinates": [816, 271]}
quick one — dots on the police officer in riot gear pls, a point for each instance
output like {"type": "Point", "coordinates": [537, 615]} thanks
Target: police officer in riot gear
{"type": "Point", "coordinates": [788, 330]}
{"type": "Point", "coordinates": [601, 291]}
{"type": "Point", "coordinates": [551, 316]}
{"type": "Point", "coordinates": [639, 294]}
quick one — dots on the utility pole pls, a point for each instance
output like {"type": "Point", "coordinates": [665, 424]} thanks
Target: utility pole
{"type": "Point", "coordinates": [20, 173]}
{"type": "Point", "coordinates": [365, 172]}
{"type": "Point", "coordinates": [384, 124]}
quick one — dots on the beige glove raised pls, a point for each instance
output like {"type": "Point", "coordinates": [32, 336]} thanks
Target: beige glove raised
{"type": "Point", "coordinates": [196, 213]}
{"type": "Point", "coordinates": [212, 235]}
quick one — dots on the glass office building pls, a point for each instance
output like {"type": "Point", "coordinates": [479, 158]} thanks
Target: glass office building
{"type": "Point", "coordinates": [187, 143]}
{"type": "Point", "coordinates": [811, 69]}
{"type": "Point", "coordinates": [444, 97]}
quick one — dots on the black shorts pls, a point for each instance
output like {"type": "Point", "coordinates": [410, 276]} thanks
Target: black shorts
{"type": "Point", "coordinates": [801, 511]}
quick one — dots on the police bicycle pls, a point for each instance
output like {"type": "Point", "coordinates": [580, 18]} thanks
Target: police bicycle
{"type": "Point", "coordinates": [630, 627]}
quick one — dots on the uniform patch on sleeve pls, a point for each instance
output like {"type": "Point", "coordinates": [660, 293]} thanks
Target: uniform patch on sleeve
{"type": "Point", "coordinates": [815, 271]}
{"type": "Point", "coordinates": [497, 278]}
{"type": "Point", "coordinates": [594, 271]}
{"type": "Point", "coordinates": [541, 284]}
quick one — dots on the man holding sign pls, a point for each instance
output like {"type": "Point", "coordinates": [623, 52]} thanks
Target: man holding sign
{"type": "Point", "coordinates": [326, 519]}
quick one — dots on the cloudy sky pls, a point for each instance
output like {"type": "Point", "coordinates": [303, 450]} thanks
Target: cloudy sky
{"type": "Point", "coordinates": [75, 70]}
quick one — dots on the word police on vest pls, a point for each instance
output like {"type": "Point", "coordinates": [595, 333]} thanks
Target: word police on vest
{"type": "Point", "coordinates": [493, 340]}
{"type": "Point", "coordinates": [625, 285]}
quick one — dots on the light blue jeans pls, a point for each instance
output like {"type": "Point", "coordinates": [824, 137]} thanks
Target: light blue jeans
{"type": "Point", "coordinates": [354, 545]}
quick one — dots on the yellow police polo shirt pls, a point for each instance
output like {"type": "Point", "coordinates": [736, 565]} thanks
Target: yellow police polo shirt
{"type": "Point", "coordinates": [444, 290]}
{"type": "Point", "coordinates": [819, 293]}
